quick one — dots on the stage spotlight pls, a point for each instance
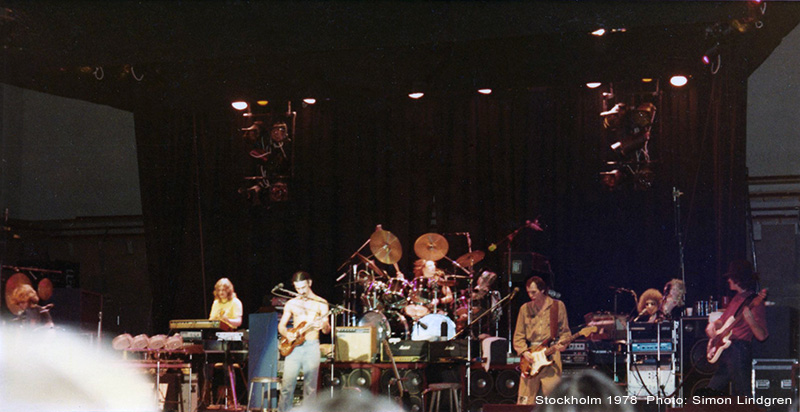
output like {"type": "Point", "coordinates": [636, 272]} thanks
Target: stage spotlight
{"type": "Point", "coordinates": [140, 342]}
{"type": "Point", "coordinates": [262, 102]}
{"type": "Point", "coordinates": [122, 342]}
{"type": "Point", "coordinates": [710, 54]}
{"type": "Point", "coordinates": [678, 81]}
{"type": "Point", "coordinates": [647, 80]}
{"type": "Point", "coordinates": [593, 85]}
{"type": "Point", "coordinates": [416, 95]}
{"type": "Point", "coordinates": [239, 105]}
{"type": "Point", "coordinates": [599, 32]}
{"type": "Point", "coordinates": [485, 91]}
{"type": "Point", "coordinates": [309, 100]}
{"type": "Point", "coordinates": [174, 342]}
{"type": "Point", "coordinates": [157, 342]}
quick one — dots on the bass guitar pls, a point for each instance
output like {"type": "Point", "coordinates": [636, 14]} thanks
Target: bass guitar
{"type": "Point", "coordinates": [286, 346]}
{"type": "Point", "coordinates": [541, 354]}
{"type": "Point", "coordinates": [721, 340]}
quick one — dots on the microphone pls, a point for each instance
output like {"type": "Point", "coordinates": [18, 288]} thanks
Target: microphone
{"type": "Point", "coordinates": [534, 225]}
{"type": "Point", "coordinates": [278, 286]}
{"type": "Point", "coordinates": [620, 290]}
{"type": "Point", "coordinates": [513, 293]}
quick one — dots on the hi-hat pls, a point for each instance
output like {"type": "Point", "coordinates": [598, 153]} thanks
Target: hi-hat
{"type": "Point", "coordinates": [385, 246]}
{"type": "Point", "coordinates": [471, 258]}
{"type": "Point", "coordinates": [371, 265]}
{"type": "Point", "coordinates": [431, 246]}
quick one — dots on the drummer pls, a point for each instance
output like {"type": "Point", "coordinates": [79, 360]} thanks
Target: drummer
{"type": "Point", "coordinates": [426, 269]}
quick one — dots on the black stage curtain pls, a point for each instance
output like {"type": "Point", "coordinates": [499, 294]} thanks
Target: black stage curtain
{"type": "Point", "coordinates": [477, 164]}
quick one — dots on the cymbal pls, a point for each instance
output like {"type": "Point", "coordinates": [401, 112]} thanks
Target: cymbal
{"type": "Point", "coordinates": [45, 289]}
{"type": "Point", "coordinates": [471, 258]}
{"type": "Point", "coordinates": [431, 246]}
{"type": "Point", "coordinates": [371, 265]}
{"type": "Point", "coordinates": [16, 280]}
{"type": "Point", "coordinates": [385, 247]}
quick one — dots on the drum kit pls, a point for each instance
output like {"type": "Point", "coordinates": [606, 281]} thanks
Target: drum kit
{"type": "Point", "coordinates": [413, 309]}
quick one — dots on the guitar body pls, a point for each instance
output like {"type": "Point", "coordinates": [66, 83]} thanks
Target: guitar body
{"type": "Point", "coordinates": [285, 346]}
{"type": "Point", "coordinates": [721, 341]}
{"type": "Point", "coordinates": [541, 355]}
{"type": "Point", "coordinates": [540, 361]}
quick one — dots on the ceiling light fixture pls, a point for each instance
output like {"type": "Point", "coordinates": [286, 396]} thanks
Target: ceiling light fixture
{"type": "Point", "coordinates": [239, 105]}
{"type": "Point", "coordinates": [678, 81]}
{"type": "Point", "coordinates": [599, 32]}
{"type": "Point", "coordinates": [416, 95]}
{"type": "Point", "coordinates": [485, 91]}
{"type": "Point", "coordinates": [309, 100]}
{"type": "Point", "coordinates": [593, 85]}
{"type": "Point", "coordinates": [262, 102]}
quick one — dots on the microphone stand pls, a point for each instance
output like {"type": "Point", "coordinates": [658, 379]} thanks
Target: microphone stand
{"type": "Point", "coordinates": [508, 239]}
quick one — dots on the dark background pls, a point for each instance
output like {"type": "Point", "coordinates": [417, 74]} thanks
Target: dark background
{"type": "Point", "coordinates": [367, 155]}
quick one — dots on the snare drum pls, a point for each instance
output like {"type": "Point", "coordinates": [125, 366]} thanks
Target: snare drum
{"type": "Point", "coordinates": [395, 295]}
{"type": "Point", "coordinates": [430, 328]}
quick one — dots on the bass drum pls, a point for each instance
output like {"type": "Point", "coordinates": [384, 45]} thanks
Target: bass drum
{"type": "Point", "coordinates": [387, 324]}
{"type": "Point", "coordinates": [431, 328]}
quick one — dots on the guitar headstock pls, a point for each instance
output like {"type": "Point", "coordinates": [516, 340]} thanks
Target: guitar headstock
{"type": "Point", "coordinates": [585, 332]}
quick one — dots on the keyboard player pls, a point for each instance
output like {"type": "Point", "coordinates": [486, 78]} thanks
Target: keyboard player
{"type": "Point", "coordinates": [227, 308]}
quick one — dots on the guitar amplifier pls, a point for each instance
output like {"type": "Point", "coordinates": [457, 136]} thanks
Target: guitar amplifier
{"type": "Point", "coordinates": [406, 351]}
{"type": "Point", "coordinates": [355, 344]}
{"type": "Point", "coordinates": [453, 350]}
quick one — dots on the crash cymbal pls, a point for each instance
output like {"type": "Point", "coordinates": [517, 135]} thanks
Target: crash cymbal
{"type": "Point", "coordinates": [16, 280]}
{"type": "Point", "coordinates": [371, 265]}
{"type": "Point", "coordinates": [471, 258]}
{"type": "Point", "coordinates": [431, 246]}
{"type": "Point", "coordinates": [385, 246]}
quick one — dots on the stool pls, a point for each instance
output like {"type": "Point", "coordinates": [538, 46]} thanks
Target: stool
{"type": "Point", "coordinates": [436, 390]}
{"type": "Point", "coordinates": [231, 381]}
{"type": "Point", "coordinates": [267, 384]}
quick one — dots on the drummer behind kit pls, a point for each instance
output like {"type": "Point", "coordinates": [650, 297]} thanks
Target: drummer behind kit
{"type": "Point", "coordinates": [400, 310]}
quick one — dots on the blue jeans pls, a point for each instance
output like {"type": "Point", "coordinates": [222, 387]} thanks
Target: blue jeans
{"type": "Point", "coordinates": [305, 356]}
{"type": "Point", "coordinates": [735, 366]}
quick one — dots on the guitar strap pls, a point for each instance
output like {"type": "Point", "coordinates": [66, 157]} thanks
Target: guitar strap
{"type": "Point", "coordinates": [743, 304]}
{"type": "Point", "coordinates": [553, 321]}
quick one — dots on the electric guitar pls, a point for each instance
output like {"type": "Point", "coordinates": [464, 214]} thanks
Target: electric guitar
{"type": "Point", "coordinates": [721, 340]}
{"type": "Point", "coordinates": [286, 346]}
{"type": "Point", "coordinates": [403, 398]}
{"type": "Point", "coordinates": [542, 353]}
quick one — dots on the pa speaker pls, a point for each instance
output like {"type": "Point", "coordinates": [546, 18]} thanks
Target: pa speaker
{"type": "Point", "coordinates": [696, 371]}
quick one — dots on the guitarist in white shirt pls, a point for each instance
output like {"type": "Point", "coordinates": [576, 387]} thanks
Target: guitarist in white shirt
{"type": "Point", "coordinates": [306, 307]}
{"type": "Point", "coordinates": [735, 361]}
{"type": "Point", "coordinates": [534, 328]}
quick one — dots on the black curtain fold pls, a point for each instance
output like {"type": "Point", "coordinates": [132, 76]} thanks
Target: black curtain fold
{"type": "Point", "coordinates": [477, 164]}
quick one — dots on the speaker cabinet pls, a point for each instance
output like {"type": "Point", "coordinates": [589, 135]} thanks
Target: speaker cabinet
{"type": "Point", "coordinates": [497, 386]}
{"type": "Point", "coordinates": [695, 371]}
{"type": "Point", "coordinates": [355, 344]}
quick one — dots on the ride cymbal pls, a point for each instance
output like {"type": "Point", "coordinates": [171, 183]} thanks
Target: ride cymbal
{"type": "Point", "coordinates": [471, 258]}
{"type": "Point", "coordinates": [385, 247]}
{"type": "Point", "coordinates": [431, 246]}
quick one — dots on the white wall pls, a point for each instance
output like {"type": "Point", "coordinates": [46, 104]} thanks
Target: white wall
{"type": "Point", "coordinates": [773, 112]}
{"type": "Point", "coordinates": [64, 158]}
